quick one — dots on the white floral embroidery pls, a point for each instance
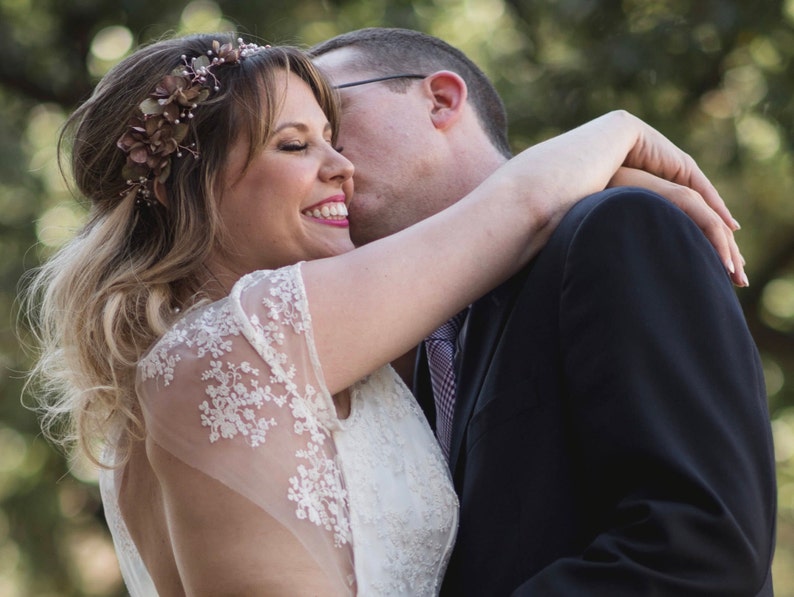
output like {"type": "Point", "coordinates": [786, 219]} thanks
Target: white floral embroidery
{"type": "Point", "coordinates": [236, 397]}
{"type": "Point", "coordinates": [160, 362]}
{"type": "Point", "coordinates": [406, 534]}
{"type": "Point", "coordinates": [377, 480]}
{"type": "Point", "coordinates": [233, 404]}
{"type": "Point", "coordinates": [317, 490]}
{"type": "Point", "coordinates": [208, 334]}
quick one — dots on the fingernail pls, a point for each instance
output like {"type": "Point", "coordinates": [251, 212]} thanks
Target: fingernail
{"type": "Point", "coordinates": [745, 280]}
{"type": "Point", "coordinates": [736, 224]}
{"type": "Point", "coordinates": [731, 267]}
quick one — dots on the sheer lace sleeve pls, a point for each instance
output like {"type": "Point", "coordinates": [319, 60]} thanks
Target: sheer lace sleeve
{"type": "Point", "coordinates": [235, 390]}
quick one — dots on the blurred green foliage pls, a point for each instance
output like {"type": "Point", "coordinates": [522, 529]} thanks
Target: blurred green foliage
{"type": "Point", "coordinates": [716, 76]}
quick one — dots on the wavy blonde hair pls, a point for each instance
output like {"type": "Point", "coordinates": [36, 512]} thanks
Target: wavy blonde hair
{"type": "Point", "coordinates": [105, 297]}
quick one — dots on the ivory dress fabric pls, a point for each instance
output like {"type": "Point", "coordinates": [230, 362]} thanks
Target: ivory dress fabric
{"type": "Point", "coordinates": [235, 390]}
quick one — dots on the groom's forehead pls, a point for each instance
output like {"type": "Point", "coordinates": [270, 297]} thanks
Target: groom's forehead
{"type": "Point", "coordinates": [341, 64]}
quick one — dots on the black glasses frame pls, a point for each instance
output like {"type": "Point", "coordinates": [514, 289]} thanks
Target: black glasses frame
{"type": "Point", "coordinates": [377, 79]}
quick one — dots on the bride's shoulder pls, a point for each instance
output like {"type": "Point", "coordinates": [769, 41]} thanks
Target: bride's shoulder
{"type": "Point", "coordinates": [208, 329]}
{"type": "Point", "coordinates": [205, 329]}
{"type": "Point", "coordinates": [277, 295]}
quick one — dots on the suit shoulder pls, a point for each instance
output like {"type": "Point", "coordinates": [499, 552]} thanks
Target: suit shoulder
{"type": "Point", "coordinates": [625, 212]}
{"type": "Point", "coordinates": [618, 199]}
{"type": "Point", "coordinates": [609, 226]}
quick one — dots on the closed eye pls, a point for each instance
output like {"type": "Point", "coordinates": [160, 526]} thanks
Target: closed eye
{"type": "Point", "coordinates": [293, 146]}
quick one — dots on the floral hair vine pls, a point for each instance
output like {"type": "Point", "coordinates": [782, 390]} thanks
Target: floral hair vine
{"type": "Point", "coordinates": [162, 125]}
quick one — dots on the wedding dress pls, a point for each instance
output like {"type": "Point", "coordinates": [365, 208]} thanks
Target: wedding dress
{"type": "Point", "coordinates": [235, 389]}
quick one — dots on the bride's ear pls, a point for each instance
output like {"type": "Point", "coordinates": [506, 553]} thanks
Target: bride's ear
{"type": "Point", "coordinates": [449, 92]}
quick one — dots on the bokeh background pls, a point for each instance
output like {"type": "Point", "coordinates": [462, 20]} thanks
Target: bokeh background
{"type": "Point", "coordinates": [716, 76]}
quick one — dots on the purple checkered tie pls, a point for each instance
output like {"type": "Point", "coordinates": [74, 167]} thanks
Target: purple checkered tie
{"type": "Point", "coordinates": [440, 356]}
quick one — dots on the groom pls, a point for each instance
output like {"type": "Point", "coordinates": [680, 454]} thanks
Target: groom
{"type": "Point", "coordinates": [609, 433]}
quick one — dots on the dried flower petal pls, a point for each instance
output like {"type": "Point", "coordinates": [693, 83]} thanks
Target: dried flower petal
{"type": "Point", "coordinates": [158, 132]}
{"type": "Point", "coordinates": [171, 113]}
{"type": "Point", "coordinates": [150, 106]}
{"type": "Point", "coordinates": [165, 172]}
{"type": "Point", "coordinates": [200, 62]}
{"type": "Point", "coordinates": [139, 155]}
{"type": "Point", "coordinates": [180, 131]}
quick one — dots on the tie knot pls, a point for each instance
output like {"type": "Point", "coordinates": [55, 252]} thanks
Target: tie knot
{"type": "Point", "coordinates": [448, 331]}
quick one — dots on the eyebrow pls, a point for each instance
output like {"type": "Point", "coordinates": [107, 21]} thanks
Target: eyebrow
{"type": "Point", "coordinates": [301, 126]}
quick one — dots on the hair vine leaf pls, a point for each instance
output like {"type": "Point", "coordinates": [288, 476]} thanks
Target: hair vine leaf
{"type": "Point", "coordinates": [159, 131]}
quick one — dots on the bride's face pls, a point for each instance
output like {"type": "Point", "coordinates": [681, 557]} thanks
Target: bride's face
{"type": "Point", "coordinates": [290, 203]}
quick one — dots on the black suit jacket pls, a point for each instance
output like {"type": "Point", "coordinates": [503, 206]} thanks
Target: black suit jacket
{"type": "Point", "coordinates": [611, 435]}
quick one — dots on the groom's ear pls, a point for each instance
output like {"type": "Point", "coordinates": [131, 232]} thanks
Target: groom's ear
{"type": "Point", "coordinates": [449, 92]}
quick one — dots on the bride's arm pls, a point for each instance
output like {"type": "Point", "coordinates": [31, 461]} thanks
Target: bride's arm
{"type": "Point", "coordinates": [374, 303]}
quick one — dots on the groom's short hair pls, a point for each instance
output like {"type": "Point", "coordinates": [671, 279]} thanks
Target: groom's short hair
{"type": "Point", "coordinates": [388, 51]}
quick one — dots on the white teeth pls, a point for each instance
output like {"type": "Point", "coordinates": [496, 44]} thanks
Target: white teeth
{"type": "Point", "coordinates": [327, 211]}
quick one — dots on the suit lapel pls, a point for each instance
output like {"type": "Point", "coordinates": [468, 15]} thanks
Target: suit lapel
{"type": "Point", "coordinates": [422, 388]}
{"type": "Point", "coordinates": [478, 340]}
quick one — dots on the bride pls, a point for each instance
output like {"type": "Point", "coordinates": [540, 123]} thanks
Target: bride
{"type": "Point", "coordinates": [219, 347]}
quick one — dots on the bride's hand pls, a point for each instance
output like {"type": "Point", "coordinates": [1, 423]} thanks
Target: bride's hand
{"type": "Point", "coordinates": [707, 211]}
{"type": "Point", "coordinates": [597, 150]}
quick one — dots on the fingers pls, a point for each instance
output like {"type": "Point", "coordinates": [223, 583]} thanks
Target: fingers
{"type": "Point", "coordinates": [656, 154]}
{"type": "Point", "coordinates": [706, 215]}
{"type": "Point", "coordinates": [722, 237]}
{"type": "Point", "coordinates": [698, 181]}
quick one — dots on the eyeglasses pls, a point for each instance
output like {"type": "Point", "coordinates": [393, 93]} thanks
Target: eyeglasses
{"type": "Point", "coordinates": [386, 78]}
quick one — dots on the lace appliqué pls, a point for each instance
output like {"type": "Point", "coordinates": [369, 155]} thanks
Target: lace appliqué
{"type": "Point", "coordinates": [233, 405]}
{"type": "Point", "coordinates": [402, 504]}
{"type": "Point", "coordinates": [317, 490]}
{"type": "Point", "coordinates": [236, 394]}
{"type": "Point", "coordinates": [286, 308]}
{"type": "Point", "coordinates": [121, 537]}
{"type": "Point", "coordinates": [136, 576]}
{"type": "Point", "coordinates": [376, 483]}
{"type": "Point", "coordinates": [207, 334]}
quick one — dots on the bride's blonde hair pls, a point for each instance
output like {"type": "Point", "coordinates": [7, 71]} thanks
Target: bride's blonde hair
{"type": "Point", "coordinates": [105, 297]}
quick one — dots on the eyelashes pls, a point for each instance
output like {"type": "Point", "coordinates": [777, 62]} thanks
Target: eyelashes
{"type": "Point", "coordinates": [292, 146]}
{"type": "Point", "coordinates": [296, 147]}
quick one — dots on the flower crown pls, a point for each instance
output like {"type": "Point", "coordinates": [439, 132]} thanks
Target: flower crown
{"type": "Point", "coordinates": [162, 125]}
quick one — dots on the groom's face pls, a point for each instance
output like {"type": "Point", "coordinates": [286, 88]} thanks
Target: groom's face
{"type": "Point", "coordinates": [389, 138]}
